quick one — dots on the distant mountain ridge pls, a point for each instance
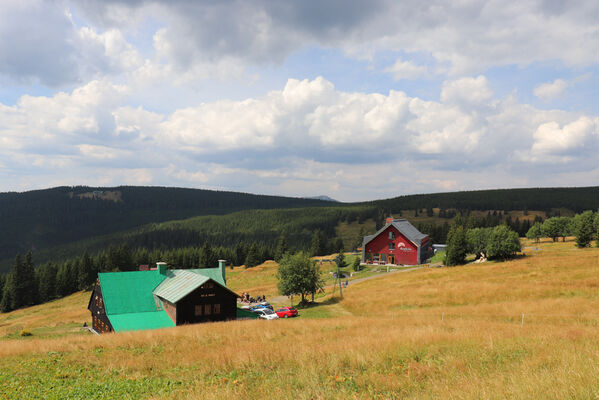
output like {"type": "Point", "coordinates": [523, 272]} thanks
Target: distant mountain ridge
{"type": "Point", "coordinates": [323, 198]}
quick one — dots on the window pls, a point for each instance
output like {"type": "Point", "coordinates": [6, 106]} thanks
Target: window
{"type": "Point", "coordinates": [383, 257]}
{"type": "Point", "coordinates": [207, 309]}
{"type": "Point", "coordinates": [391, 246]}
{"type": "Point", "coordinates": [208, 285]}
{"type": "Point", "coordinates": [216, 309]}
{"type": "Point", "coordinates": [199, 308]}
{"type": "Point", "coordinates": [391, 235]}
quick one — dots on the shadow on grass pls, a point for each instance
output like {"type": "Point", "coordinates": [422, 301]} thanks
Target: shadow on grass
{"type": "Point", "coordinates": [312, 304]}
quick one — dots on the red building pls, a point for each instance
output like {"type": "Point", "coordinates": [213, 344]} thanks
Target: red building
{"type": "Point", "coordinates": [397, 243]}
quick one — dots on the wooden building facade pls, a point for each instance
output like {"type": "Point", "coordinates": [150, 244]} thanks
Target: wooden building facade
{"type": "Point", "coordinates": [160, 298]}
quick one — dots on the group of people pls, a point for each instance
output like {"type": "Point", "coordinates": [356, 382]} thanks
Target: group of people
{"type": "Point", "coordinates": [246, 298]}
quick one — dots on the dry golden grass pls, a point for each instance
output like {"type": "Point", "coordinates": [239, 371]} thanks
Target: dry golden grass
{"type": "Point", "coordinates": [399, 349]}
{"type": "Point", "coordinates": [56, 317]}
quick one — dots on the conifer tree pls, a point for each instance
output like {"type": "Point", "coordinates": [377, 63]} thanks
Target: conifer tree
{"type": "Point", "coordinates": [47, 282]}
{"type": "Point", "coordinates": [6, 301]}
{"type": "Point", "coordinates": [456, 245]}
{"type": "Point", "coordinates": [19, 285]}
{"type": "Point", "coordinates": [317, 247]}
{"type": "Point", "coordinates": [253, 258]}
{"type": "Point", "coordinates": [584, 229]}
{"type": "Point", "coordinates": [282, 247]}
{"type": "Point", "coordinates": [207, 257]}
{"type": "Point", "coordinates": [359, 238]}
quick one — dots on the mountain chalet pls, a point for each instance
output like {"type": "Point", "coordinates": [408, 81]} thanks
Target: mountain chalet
{"type": "Point", "coordinates": [396, 243]}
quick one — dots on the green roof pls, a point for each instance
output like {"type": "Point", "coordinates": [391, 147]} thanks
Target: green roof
{"type": "Point", "coordinates": [212, 273]}
{"type": "Point", "coordinates": [179, 283]}
{"type": "Point", "coordinates": [140, 321]}
{"type": "Point", "coordinates": [129, 292]}
{"type": "Point", "coordinates": [130, 298]}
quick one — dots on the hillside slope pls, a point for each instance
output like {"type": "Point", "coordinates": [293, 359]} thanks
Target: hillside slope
{"type": "Point", "coordinates": [43, 219]}
{"type": "Point", "coordinates": [428, 333]}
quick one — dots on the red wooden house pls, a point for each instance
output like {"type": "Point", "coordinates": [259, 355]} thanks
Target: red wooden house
{"type": "Point", "coordinates": [396, 243]}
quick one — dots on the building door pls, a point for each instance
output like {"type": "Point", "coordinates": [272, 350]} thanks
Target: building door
{"type": "Point", "coordinates": [391, 259]}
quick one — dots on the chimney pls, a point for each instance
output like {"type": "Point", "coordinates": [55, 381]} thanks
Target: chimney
{"type": "Point", "coordinates": [161, 267]}
{"type": "Point", "coordinates": [221, 266]}
{"type": "Point", "coordinates": [389, 220]}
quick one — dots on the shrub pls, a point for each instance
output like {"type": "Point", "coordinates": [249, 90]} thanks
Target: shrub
{"type": "Point", "coordinates": [504, 243]}
{"type": "Point", "coordinates": [26, 333]}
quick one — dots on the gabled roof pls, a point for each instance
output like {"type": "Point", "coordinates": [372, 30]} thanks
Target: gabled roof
{"type": "Point", "coordinates": [404, 227]}
{"type": "Point", "coordinates": [129, 292]}
{"type": "Point", "coordinates": [179, 283]}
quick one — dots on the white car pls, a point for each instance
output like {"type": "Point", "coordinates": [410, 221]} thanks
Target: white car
{"type": "Point", "coordinates": [266, 313]}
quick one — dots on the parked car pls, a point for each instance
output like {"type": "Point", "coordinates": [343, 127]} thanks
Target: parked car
{"type": "Point", "coordinates": [266, 313]}
{"type": "Point", "coordinates": [262, 306]}
{"type": "Point", "coordinates": [286, 312]}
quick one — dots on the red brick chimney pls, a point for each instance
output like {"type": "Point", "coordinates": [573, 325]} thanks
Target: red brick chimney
{"type": "Point", "coordinates": [389, 220]}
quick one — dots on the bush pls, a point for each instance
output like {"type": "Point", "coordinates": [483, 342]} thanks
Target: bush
{"type": "Point", "coordinates": [26, 333]}
{"type": "Point", "coordinates": [504, 243]}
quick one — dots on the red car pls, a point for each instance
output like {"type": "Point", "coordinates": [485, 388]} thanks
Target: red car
{"type": "Point", "coordinates": [286, 312]}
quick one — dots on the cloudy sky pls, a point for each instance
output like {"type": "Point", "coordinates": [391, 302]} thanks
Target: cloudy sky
{"type": "Point", "coordinates": [357, 100]}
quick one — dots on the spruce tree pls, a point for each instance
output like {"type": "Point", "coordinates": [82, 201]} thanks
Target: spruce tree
{"type": "Point", "coordinates": [6, 300]}
{"type": "Point", "coordinates": [253, 257]}
{"type": "Point", "coordinates": [282, 247]}
{"type": "Point", "coordinates": [207, 257]}
{"type": "Point", "coordinates": [456, 245]}
{"type": "Point", "coordinates": [47, 282]}
{"type": "Point", "coordinates": [359, 238]}
{"type": "Point", "coordinates": [19, 285]}
{"type": "Point", "coordinates": [584, 229]}
{"type": "Point", "coordinates": [317, 247]}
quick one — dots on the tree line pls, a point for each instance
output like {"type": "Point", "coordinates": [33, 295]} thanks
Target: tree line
{"type": "Point", "coordinates": [27, 285]}
{"type": "Point", "coordinates": [585, 226]}
{"type": "Point", "coordinates": [499, 242]}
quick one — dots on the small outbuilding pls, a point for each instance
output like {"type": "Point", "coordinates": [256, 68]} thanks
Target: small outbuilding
{"type": "Point", "coordinates": [160, 298]}
{"type": "Point", "coordinates": [396, 243]}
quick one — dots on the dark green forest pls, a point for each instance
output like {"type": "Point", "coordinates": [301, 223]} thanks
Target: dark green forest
{"type": "Point", "coordinates": [42, 219]}
{"type": "Point", "coordinates": [59, 224]}
{"type": "Point", "coordinates": [576, 199]}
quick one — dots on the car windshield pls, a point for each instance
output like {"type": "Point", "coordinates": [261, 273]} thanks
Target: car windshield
{"type": "Point", "coordinates": [267, 311]}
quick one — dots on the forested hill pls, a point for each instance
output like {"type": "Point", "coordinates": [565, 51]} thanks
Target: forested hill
{"type": "Point", "coordinates": [41, 219]}
{"type": "Point", "coordinates": [576, 199]}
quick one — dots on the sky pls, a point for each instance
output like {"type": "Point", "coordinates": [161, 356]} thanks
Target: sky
{"type": "Point", "coordinates": [357, 100]}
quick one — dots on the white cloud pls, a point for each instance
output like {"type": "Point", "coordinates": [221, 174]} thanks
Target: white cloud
{"type": "Point", "coordinates": [406, 70]}
{"type": "Point", "coordinates": [551, 90]}
{"type": "Point", "coordinates": [302, 138]}
{"type": "Point", "coordinates": [567, 141]}
{"type": "Point", "coordinates": [469, 92]}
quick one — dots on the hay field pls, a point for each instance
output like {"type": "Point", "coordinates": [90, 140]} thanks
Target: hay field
{"type": "Point", "coordinates": [427, 333]}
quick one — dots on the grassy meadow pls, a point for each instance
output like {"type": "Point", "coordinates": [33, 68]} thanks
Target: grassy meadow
{"type": "Point", "coordinates": [423, 333]}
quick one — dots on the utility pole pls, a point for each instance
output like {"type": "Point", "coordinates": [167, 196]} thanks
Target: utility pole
{"type": "Point", "coordinates": [339, 279]}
